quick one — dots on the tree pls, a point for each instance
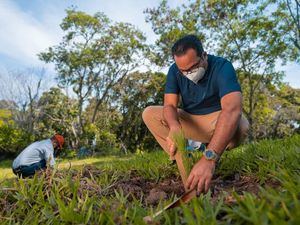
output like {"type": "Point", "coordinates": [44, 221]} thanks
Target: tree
{"type": "Point", "coordinates": [133, 95]}
{"type": "Point", "coordinates": [57, 114]}
{"type": "Point", "coordinates": [12, 138]}
{"type": "Point", "coordinates": [102, 134]}
{"type": "Point", "coordinates": [286, 106]}
{"type": "Point", "coordinates": [287, 18]}
{"type": "Point", "coordinates": [21, 90]}
{"type": "Point", "coordinates": [94, 55]}
{"type": "Point", "coordinates": [169, 24]}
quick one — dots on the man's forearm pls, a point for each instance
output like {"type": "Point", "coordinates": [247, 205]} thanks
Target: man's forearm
{"type": "Point", "coordinates": [225, 129]}
{"type": "Point", "coordinates": [170, 116]}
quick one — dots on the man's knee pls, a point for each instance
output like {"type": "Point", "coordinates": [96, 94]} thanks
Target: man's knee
{"type": "Point", "coordinates": [150, 111]}
{"type": "Point", "coordinates": [147, 113]}
{"type": "Point", "coordinates": [244, 129]}
{"type": "Point", "coordinates": [240, 135]}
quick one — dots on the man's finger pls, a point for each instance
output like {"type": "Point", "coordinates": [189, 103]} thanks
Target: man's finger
{"type": "Point", "coordinates": [172, 149]}
{"type": "Point", "coordinates": [189, 181]}
{"type": "Point", "coordinates": [200, 187]}
{"type": "Point", "coordinates": [207, 185]}
{"type": "Point", "coordinates": [171, 152]}
{"type": "Point", "coordinates": [194, 183]}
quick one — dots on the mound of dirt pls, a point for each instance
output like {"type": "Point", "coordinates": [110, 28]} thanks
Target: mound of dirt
{"type": "Point", "coordinates": [150, 191]}
{"type": "Point", "coordinates": [155, 195]}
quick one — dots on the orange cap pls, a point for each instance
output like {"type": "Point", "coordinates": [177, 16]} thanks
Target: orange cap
{"type": "Point", "coordinates": [60, 140]}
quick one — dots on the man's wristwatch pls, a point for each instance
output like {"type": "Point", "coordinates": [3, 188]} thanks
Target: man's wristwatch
{"type": "Point", "coordinates": [211, 155]}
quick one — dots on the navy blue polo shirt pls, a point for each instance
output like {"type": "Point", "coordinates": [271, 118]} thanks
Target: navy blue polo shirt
{"type": "Point", "coordinates": [205, 96]}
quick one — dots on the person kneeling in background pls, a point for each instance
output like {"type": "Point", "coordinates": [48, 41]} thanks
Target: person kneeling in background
{"type": "Point", "coordinates": [36, 155]}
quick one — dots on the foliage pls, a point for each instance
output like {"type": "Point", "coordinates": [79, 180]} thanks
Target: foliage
{"type": "Point", "coordinates": [13, 139]}
{"type": "Point", "coordinates": [278, 112]}
{"type": "Point", "coordinates": [102, 140]}
{"type": "Point", "coordinates": [5, 115]}
{"type": "Point", "coordinates": [180, 141]}
{"type": "Point", "coordinates": [169, 24]}
{"type": "Point", "coordinates": [94, 55]}
{"type": "Point", "coordinates": [21, 90]}
{"type": "Point", "coordinates": [57, 114]}
{"type": "Point", "coordinates": [133, 95]}
{"type": "Point", "coordinates": [287, 18]}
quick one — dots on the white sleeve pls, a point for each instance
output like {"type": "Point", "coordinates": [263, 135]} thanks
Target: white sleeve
{"type": "Point", "coordinates": [49, 156]}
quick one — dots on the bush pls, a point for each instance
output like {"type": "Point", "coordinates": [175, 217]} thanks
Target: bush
{"type": "Point", "coordinates": [12, 139]}
{"type": "Point", "coordinates": [103, 141]}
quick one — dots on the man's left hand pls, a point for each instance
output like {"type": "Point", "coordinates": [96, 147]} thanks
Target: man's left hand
{"type": "Point", "coordinates": [201, 175]}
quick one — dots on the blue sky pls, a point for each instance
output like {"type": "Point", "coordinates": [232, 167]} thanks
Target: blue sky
{"type": "Point", "coordinates": [28, 27]}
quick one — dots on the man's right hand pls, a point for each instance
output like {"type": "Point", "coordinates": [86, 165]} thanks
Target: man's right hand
{"type": "Point", "coordinates": [171, 144]}
{"type": "Point", "coordinates": [170, 115]}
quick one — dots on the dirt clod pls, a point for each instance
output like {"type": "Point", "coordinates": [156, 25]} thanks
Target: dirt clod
{"type": "Point", "coordinates": [155, 196]}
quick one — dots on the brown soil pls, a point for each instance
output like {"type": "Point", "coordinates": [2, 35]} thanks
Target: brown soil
{"type": "Point", "coordinates": [154, 192]}
{"type": "Point", "coordinates": [150, 191]}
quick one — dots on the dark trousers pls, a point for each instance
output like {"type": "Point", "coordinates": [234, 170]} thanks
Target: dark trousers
{"type": "Point", "coordinates": [29, 170]}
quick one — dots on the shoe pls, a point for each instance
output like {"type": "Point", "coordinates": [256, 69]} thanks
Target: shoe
{"type": "Point", "coordinates": [196, 146]}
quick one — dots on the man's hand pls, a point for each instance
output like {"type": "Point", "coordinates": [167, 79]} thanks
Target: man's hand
{"type": "Point", "coordinates": [171, 117]}
{"type": "Point", "coordinates": [202, 172]}
{"type": "Point", "coordinates": [171, 144]}
{"type": "Point", "coordinates": [201, 175]}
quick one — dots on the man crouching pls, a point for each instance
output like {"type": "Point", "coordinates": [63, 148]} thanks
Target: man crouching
{"type": "Point", "coordinates": [211, 108]}
{"type": "Point", "coordinates": [35, 156]}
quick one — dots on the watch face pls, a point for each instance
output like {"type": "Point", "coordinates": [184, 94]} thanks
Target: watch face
{"type": "Point", "coordinates": [209, 154]}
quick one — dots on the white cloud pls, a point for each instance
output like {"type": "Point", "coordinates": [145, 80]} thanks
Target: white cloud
{"type": "Point", "coordinates": [22, 36]}
{"type": "Point", "coordinates": [29, 28]}
{"type": "Point", "coordinates": [130, 11]}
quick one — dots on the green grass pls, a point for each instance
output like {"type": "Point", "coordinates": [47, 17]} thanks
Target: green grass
{"type": "Point", "coordinates": [86, 193]}
{"type": "Point", "coordinates": [6, 172]}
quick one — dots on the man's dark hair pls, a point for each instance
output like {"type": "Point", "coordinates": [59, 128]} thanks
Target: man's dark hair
{"type": "Point", "coordinates": [187, 42]}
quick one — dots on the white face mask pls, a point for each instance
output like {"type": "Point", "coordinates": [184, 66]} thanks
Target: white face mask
{"type": "Point", "coordinates": [196, 75]}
